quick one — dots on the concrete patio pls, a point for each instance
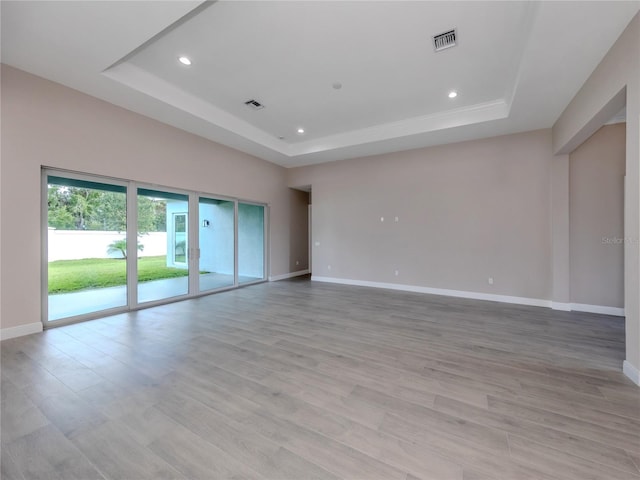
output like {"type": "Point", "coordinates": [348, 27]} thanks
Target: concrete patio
{"type": "Point", "coordinates": [66, 305]}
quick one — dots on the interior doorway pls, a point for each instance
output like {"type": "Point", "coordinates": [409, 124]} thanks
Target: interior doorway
{"type": "Point", "coordinates": [310, 227]}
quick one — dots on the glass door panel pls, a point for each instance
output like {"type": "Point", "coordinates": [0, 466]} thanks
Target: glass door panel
{"type": "Point", "coordinates": [216, 229]}
{"type": "Point", "coordinates": [96, 264]}
{"type": "Point", "coordinates": [86, 242]}
{"type": "Point", "coordinates": [179, 248]}
{"type": "Point", "coordinates": [250, 243]}
{"type": "Point", "coordinates": [163, 241]}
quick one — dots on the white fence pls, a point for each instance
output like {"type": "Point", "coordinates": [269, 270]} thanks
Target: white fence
{"type": "Point", "coordinates": [77, 244]}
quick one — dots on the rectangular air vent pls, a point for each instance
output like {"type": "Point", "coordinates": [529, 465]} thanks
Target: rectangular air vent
{"type": "Point", "coordinates": [256, 105]}
{"type": "Point", "coordinates": [445, 40]}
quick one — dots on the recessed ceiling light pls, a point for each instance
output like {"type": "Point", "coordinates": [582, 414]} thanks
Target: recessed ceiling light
{"type": "Point", "coordinates": [300, 131]}
{"type": "Point", "coordinates": [453, 94]}
{"type": "Point", "coordinates": [336, 85]}
{"type": "Point", "coordinates": [184, 60]}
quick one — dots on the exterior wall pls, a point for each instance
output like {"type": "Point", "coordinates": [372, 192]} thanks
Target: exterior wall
{"type": "Point", "coordinates": [77, 244]}
{"type": "Point", "coordinates": [251, 220]}
{"type": "Point", "coordinates": [217, 240]}
{"type": "Point", "coordinates": [596, 207]}
{"type": "Point", "coordinates": [47, 124]}
{"type": "Point", "coordinates": [175, 207]}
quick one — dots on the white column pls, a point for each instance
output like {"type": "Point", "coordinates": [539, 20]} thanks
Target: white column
{"type": "Point", "coordinates": [631, 365]}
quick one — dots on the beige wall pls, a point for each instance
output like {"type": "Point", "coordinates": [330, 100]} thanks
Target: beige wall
{"type": "Point", "coordinates": [616, 80]}
{"type": "Point", "coordinates": [596, 205]}
{"type": "Point", "coordinates": [44, 123]}
{"type": "Point", "coordinates": [466, 212]}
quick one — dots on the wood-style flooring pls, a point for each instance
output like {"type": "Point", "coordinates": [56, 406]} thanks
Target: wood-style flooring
{"type": "Point", "coordinates": [305, 380]}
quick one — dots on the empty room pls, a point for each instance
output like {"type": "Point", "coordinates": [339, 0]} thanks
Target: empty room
{"type": "Point", "coordinates": [290, 240]}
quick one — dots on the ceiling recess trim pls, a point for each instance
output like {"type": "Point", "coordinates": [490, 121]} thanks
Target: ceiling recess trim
{"type": "Point", "coordinates": [155, 87]}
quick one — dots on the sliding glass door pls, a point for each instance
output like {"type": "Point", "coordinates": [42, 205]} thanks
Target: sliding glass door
{"type": "Point", "coordinates": [113, 245]}
{"type": "Point", "coordinates": [163, 245]}
{"type": "Point", "coordinates": [216, 244]}
{"type": "Point", "coordinates": [86, 246]}
{"type": "Point", "coordinates": [251, 244]}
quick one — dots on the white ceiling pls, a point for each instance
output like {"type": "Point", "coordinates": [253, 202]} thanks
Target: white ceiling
{"type": "Point", "coordinates": [516, 67]}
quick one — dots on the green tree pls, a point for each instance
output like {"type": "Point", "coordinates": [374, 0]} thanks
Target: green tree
{"type": "Point", "coordinates": [73, 208]}
{"type": "Point", "coordinates": [110, 213]}
{"type": "Point", "coordinates": [70, 207]}
{"type": "Point", "coordinates": [60, 215]}
{"type": "Point", "coordinates": [146, 215]}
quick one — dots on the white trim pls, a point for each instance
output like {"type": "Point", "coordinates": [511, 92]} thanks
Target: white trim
{"type": "Point", "coordinates": [125, 73]}
{"type": "Point", "coordinates": [535, 302]}
{"type": "Point", "coordinates": [602, 310]}
{"type": "Point", "coordinates": [631, 372]}
{"type": "Point", "coordinates": [299, 273]}
{"type": "Point", "coordinates": [565, 307]}
{"type": "Point", "coordinates": [20, 330]}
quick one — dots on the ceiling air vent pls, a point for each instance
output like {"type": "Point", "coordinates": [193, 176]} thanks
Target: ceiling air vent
{"type": "Point", "coordinates": [256, 105]}
{"type": "Point", "coordinates": [445, 40]}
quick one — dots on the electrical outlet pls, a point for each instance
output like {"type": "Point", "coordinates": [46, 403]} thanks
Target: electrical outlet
{"type": "Point", "coordinates": [317, 244]}
{"type": "Point", "coordinates": [397, 273]}
{"type": "Point", "coordinates": [397, 219]}
{"type": "Point", "coordinates": [382, 219]}
{"type": "Point", "coordinates": [297, 262]}
{"type": "Point", "coordinates": [328, 267]}
{"type": "Point", "coordinates": [490, 280]}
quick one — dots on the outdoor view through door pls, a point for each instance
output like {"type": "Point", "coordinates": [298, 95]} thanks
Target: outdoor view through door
{"type": "Point", "coordinates": [93, 267]}
{"type": "Point", "coordinates": [86, 229]}
{"type": "Point", "coordinates": [250, 242]}
{"type": "Point", "coordinates": [217, 238]}
{"type": "Point", "coordinates": [163, 270]}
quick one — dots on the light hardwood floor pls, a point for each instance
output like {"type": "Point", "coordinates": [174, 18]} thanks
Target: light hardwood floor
{"type": "Point", "coordinates": [303, 380]}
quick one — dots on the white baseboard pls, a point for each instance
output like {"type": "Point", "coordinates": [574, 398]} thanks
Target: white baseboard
{"type": "Point", "coordinates": [581, 307]}
{"type": "Point", "coordinates": [299, 273]}
{"type": "Point", "coordinates": [20, 330]}
{"type": "Point", "coordinates": [565, 307]}
{"type": "Point", "coordinates": [535, 302]}
{"type": "Point", "coordinates": [632, 372]}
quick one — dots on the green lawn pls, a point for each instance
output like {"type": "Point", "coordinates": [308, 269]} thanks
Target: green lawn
{"type": "Point", "coordinates": [72, 275]}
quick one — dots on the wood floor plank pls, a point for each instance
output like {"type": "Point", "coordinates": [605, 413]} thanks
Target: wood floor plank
{"type": "Point", "coordinates": [299, 379]}
{"type": "Point", "coordinates": [47, 454]}
{"type": "Point", "coordinates": [466, 453]}
{"type": "Point", "coordinates": [599, 403]}
{"type": "Point", "coordinates": [550, 460]}
{"type": "Point", "coordinates": [19, 415]}
{"type": "Point", "coordinates": [616, 432]}
{"type": "Point", "coordinates": [118, 455]}
{"type": "Point", "coordinates": [259, 454]}
{"type": "Point", "coordinates": [341, 460]}
{"type": "Point", "coordinates": [491, 439]}
{"type": "Point", "coordinates": [189, 453]}
{"type": "Point", "coordinates": [9, 468]}
{"type": "Point", "coordinates": [332, 424]}
{"type": "Point", "coordinates": [551, 437]}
